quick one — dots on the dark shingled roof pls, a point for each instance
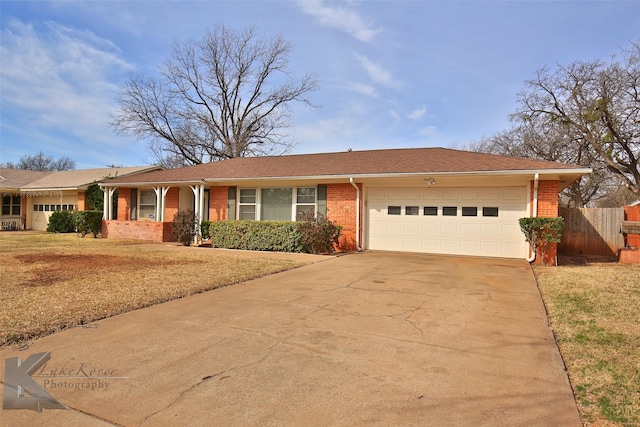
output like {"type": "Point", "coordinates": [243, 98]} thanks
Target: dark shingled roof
{"type": "Point", "coordinates": [349, 163]}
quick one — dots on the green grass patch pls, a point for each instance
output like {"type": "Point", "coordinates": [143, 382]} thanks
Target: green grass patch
{"type": "Point", "coordinates": [594, 311]}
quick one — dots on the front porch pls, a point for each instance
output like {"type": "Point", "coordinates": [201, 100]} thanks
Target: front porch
{"type": "Point", "coordinates": [11, 222]}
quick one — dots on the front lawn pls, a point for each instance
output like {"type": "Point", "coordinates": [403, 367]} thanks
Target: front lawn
{"type": "Point", "coordinates": [49, 282]}
{"type": "Point", "coordinates": [594, 311]}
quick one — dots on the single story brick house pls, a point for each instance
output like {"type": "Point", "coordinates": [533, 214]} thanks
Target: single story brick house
{"type": "Point", "coordinates": [433, 200]}
{"type": "Point", "coordinates": [30, 197]}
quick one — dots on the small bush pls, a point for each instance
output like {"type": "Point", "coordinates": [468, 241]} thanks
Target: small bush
{"type": "Point", "coordinates": [205, 229]}
{"type": "Point", "coordinates": [318, 234]}
{"type": "Point", "coordinates": [279, 236]}
{"type": "Point", "coordinates": [540, 232]}
{"type": "Point", "coordinates": [88, 222]}
{"type": "Point", "coordinates": [184, 226]}
{"type": "Point", "coordinates": [61, 222]}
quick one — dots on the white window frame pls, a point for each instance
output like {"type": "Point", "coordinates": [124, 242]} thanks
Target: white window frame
{"type": "Point", "coordinates": [12, 204]}
{"type": "Point", "coordinates": [140, 204]}
{"type": "Point", "coordinates": [258, 202]}
{"type": "Point", "coordinates": [298, 204]}
{"type": "Point", "coordinates": [256, 211]}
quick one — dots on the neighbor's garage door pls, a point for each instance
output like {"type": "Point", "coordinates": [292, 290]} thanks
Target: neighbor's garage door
{"type": "Point", "coordinates": [463, 221]}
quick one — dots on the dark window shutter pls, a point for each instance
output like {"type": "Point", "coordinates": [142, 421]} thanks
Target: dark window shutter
{"type": "Point", "coordinates": [322, 200]}
{"type": "Point", "coordinates": [232, 202]}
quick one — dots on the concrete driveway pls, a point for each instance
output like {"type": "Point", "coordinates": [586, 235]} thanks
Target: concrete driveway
{"type": "Point", "coordinates": [363, 339]}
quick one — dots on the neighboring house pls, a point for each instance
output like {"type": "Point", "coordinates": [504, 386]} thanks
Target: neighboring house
{"type": "Point", "coordinates": [14, 206]}
{"type": "Point", "coordinates": [432, 200]}
{"type": "Point", "coordinates": [29, 198]}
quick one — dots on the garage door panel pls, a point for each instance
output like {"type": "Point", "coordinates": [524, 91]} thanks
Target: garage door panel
{"type": "Point", "coordinates": [489, 235]}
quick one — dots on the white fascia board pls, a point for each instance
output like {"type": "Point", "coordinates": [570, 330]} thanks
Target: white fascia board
{"type": "Point", "coordinates": [148, 184]}
{"type": "Point", "coordinates": [406, 175]}
{"type": "Point", "coordinates": [40, 190]}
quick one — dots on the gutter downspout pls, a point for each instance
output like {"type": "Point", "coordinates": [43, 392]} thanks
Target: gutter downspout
{"type": "Point", "coordinates": [353, 184]}
{"type": "Point", "coordinates": [532, 257]}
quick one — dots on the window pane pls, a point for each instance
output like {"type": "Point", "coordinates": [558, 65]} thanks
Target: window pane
{"type": "Point", "coordinates": [412, 210]}
{"type": "Point", "coordinates": [306, 195]}
{"type": "Point", "coordinates": [147, 197]}
{"type": "Point", "coordinates": [147, 212]}
{"type": "Point", "coordinates": [16, 200]}
{"type": "Point", "coordinates": [303, 209]}
{"type": "Point", "coordinates": [275, 204]}
{"type": "Point", "coordinates": [469, 211]}
{"type": "Point", "coordinates": [394, 210]}
{"type": "Point", "coordinates": [6, 209]}
{"type": "Point", "coordinates": [450, 211]}
{"type": "Point", "coordinates": [247, 195]}
{"type": "Point", "coordinates": [430, 210]}
{"type": "Point", "coordinates": [15, 210]}
{"type": "Point", "coordinates": [247, 212]}
{"type": "Point", "coordinates": [490, 211]}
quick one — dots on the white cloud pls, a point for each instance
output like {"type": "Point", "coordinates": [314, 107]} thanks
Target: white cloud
{"type": "Point", "coordinates": [377, 73]}
{"type": "Point", "coordinates": [58, 78]}
{"type": "Point", "coordinates": [363, 89]}
{"type": "Point", "coordinates": [341, 17]}
{"type": "Point", "coordinates": [428, 131]}
{"type": "Point", "coordinates": [418, 113]}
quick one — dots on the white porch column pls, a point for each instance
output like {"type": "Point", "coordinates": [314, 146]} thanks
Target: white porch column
{"type": "Point", "coordinates": [156, 212]}
{"type": "Point", "coordinates": [105, 203]}
{"type": "Point", "coordinates": [198, 194]}
{"type": "Point", "coordinates": [109, 207]}
{"type": "Point", "coordinates": [161, 195]}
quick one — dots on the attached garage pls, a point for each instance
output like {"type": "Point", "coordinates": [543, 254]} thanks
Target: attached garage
{"type": "Point", "coordinates": [456, 221]}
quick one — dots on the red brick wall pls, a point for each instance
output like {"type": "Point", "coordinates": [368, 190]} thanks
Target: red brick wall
{"type": "Point", "coordinates": [632, 213]}
{"type": "Point", "coordinates": [341, 209]}
{"type": "Point", "coordinates": [218, 203]}
{"type": "Point", "coordinates": [124, 204]}
{"type": "Point", "coordinates": [82, 200]}
{"type": "Point", "coordinates": [171, 203]}
{"type": "Point", "coordinates": [547, 208]}
{"type": "Point", "coordinates": [137, 230]}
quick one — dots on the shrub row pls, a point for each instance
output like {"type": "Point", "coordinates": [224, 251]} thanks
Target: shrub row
{"type": "Point", "coordinates": [279, 236]}
{"type": "Point", "coordinates": [312, 235]}
{"type": "Point", "coordinates": [83, 222]}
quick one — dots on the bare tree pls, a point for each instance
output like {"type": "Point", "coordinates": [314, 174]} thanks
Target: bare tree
{"type": "Point", "coordinates": [595, 104]}
{"type": "Point", "coordinates": [538, 139]}
{"type": "Point", "coordinates": [41, 162]}
{"type": "Point", "coordinates": [227, 95]}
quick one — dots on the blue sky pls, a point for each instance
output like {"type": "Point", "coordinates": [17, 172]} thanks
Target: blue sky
{"type": "Point", "coordinates": [392, 73]}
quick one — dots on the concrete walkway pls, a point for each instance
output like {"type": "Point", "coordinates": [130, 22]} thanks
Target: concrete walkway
{"type": "Point", "coordinates": [363, 339]}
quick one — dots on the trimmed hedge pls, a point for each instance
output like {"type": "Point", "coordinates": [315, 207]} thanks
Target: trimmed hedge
{"type": "Point", "coordinates": [279, 236]}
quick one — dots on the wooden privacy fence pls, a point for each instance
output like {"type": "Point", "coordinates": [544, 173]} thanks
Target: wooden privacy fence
{"type": "Point", "coordinates": [592, 231]}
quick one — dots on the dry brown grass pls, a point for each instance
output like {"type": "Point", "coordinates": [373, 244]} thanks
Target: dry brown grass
{"type": "Point", "coordinates": [594, 311]}
{"type": "Point", "coordinates": [50, 282]}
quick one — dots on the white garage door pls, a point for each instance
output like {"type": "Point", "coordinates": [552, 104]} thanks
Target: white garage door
{"type": "Point", "coordinates": [462, 221]}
